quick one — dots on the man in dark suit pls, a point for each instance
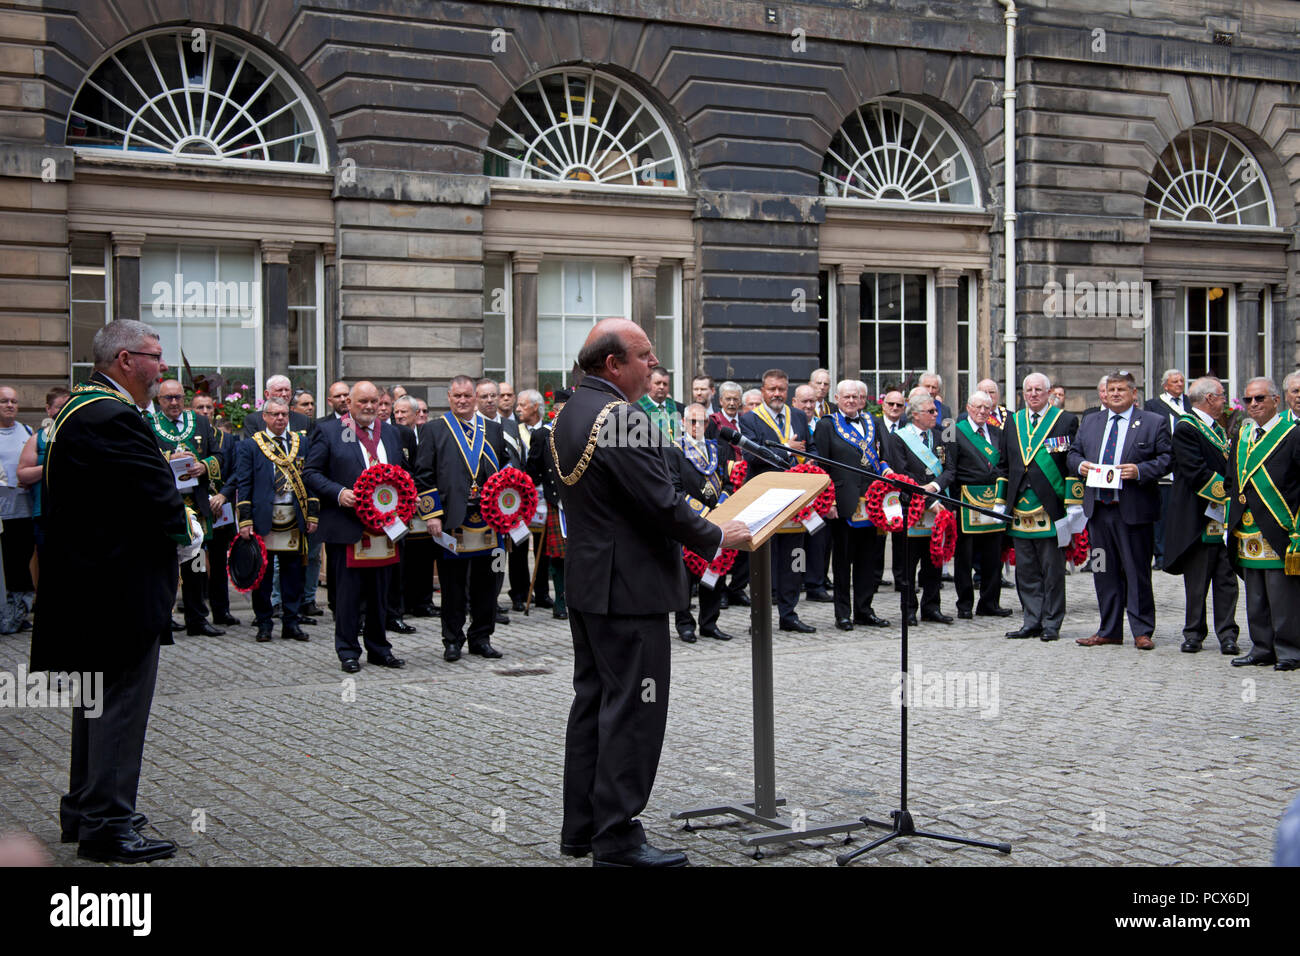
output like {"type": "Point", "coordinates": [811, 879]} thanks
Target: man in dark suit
{"type": "Point", "coordinates": [773, 420]}
{"type": "Point", "coordinates": [1173, 404]}
{"type": "Point", "coordinates": [918, 451]}
{"type": "Point", "coordinates": [337, 398]}
{"type": "Point", "coordinates": [458, 453]}
{"type": "Point", "coordinates": [1046, 504]}
{"type": "Point", "coordinates": [857, 550]}
{"type": "Point", "coordinates": [979, 538]}
{"type": "Point", "coordinates": [704, 393]}
{"type": "Point", "coordinates": [411, 591]}
{"type": "Point", "coordinates": [728, 416]}
{"type": "Point", "coordinates": [1136, 445]}
{"type": "Point", "coordinates": [820, 382]}
{"type": "Point", "coordinates": [698, 468]}
{"type": "Point", "coordinates": [1194, 545]}
{"type": "Point", "coordinates": [528, 413]}
{"type": "Point", "coordinates": [626, 529]}
{"type": "Point", "coordinates": [218, 582]}
{"type": "Point", "coordinates": [336, 456]}
{"type": "Point", "coordinates": [274, 502]}
{"type": "Point", "coordinates": [1101, 399]}
{"type": "Point", "coordinates": [277, 386]}
{"type": "Point", "coordinates": [932, 382]}
{"type": "Point", "coordinates": [1263, 496]}
{"type": "Point", "coordinates": [552, 543]}
{"type": "Point", "coordinates": [815, 580]}
{"type": "Point", "coordinates": [105, 600]}
{"type": "Point", "coordinates": [893, 416]}
{"type": "Point", "coordinates": [665, 413]}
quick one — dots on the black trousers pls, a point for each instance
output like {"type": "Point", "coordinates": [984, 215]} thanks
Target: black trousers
{"type": "Point", "coordinates": [468, 582]}
{"type": "Point", "coordinates": [857, 561]}
{"type": "Point", "coordinates": [1122, 576]}
{"type": "Point", "coordinates": [621, 670]}
{"type": "Point", "coordinates": [417, 571]}
{"type": "Point", "coordinates": [293, 577]}
{"type": "Point", "coordinates": [354, 586]}
{"type": "Point", "coordinates": [1273, 613]}
{"type": "Point", "coordinates": [107, 749]}
{"type": "Point", "coordinates": [218, 574]}
{"type": "Point", "coordinates": [1159, 530]}
{"type": "Point", "coordinates": [819, 547]}
{"type": "Point", "coordinates": [17, 544]}
{"type": "Point", "coordinates": [194, 592]}
{"type": "Point", "coordinates": [396, 605]}
{"type": "Point", "coordinates": [918, 553]}
{"type": "Point", "coordinates": [788, 581]}
{"type": "Point", "coordinates": [738, 581]}
{"type": "Point", "coordinates": [982, 551]}
{"type": "Point", "coordinates": [710, 608]}
{"type": "Point", "coordinates": [521, 573]}
{"type": "Point", "coordinates": [1206, 569]}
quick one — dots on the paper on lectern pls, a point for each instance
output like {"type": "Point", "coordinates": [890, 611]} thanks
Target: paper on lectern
{"type": "Point", "coordinates": [759, 512]}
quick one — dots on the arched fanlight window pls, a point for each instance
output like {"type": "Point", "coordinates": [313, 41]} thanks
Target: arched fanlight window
{"type": "Point", "coordinates": [222, 102]}
{"type": "Point", "coordinates": [1207, 178]}
{"type": "Point", "coordinates": [896, 151]}
{"type": "Point", "coordinates": [576, 127]}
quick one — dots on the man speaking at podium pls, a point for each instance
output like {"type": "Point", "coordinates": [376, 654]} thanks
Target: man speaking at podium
{"type": "Point", "coordinates": [624, 575]}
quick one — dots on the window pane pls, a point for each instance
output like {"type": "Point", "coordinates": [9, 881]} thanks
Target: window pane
{"type": "Point", "coordinates": [1195, 309]}
{"type": "Point", "coordinates": [548, 287]}
{"type": "Point", "coordinates": [579, 297]}
{"type": "Point", "coordinates": [914, 296]}
{"type": "Point", "coordinates": [663, 342]}
{"type": "Point", "coordinates": [609, 290]}
{"type": "Point", "coordinates": [87, 319]}
{"type": "Point", "coordinates": [1218, 345]}
{"type": "Point", "coordinates": [664, 290]}
{"type": "Point", "coordinates": [888, 299]}
{"type": "Point", "coordinates": [494, 340]}
{"type": "Point", "coordinates": [1197, 355]}
{"type": "Point", "coordinates": [891, 347]}
{"type": "Point", "coordinates": [302, 279]}
{"type": "Point", "coordinates": [1218, 317]}
{"type": "Point", "coordinates": [914, 345]}
{"type": "Point", "coordinates": [494, 286]}
{"type": "Point", "coordinates": [550, 343]}
{"type": "Point", "coordinates": [575, 333]}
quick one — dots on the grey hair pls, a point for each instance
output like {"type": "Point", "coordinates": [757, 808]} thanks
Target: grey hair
{"type": "Point", "coordinates": [979, 395]}
{"type": "Point", "coordinates": [1104, 379]}
{"type": "Point", "coordinates": [850, 383]}
{"type": "Point", "coordinates": [530, 395]}
{"type": "Point", "coordinates": [117, 336]}
{"type": "Point", "coordinates": [728, 387]}
{"type": "Point", "coordinates": [1047, 382]}
{"type": "Point", "coordinates": [938, 379]}
{"type": "Point", "coordinates": [1202, 388]}
{"type": "Point", "coordinates": [917, 399]}
{"type": "Point", "coordinates": [277, 380]}
{"type": "Point", "coordinates": [1272, 387]}
{"type": "Point", "coordinates": [282, 402]}
{"type": "Point", "coordinates": [405, 399]}
{"type": "Point", "coordinates": [753, 391]}
{"type": "Point", "coordinates": [1169, 373]}
{"type": "Point", "coordinates": [1286, 382]}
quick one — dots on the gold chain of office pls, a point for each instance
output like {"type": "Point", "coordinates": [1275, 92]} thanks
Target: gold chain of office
{"type": "Point", "coordinates": [572, 477]}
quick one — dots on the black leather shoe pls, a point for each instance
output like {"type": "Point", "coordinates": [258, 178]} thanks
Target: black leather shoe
{"type": "Point", "coordinates": [820, 597]}
{"type": "Point", "coordinates": [295, 632]}
{"type": "Point", "coordinates": [740, 599]}
{"type": "Point", "coordinates": [796, 625]}
{"type": "Point", "coordinates": [1190, 646]}
{"type": "Point", "coordinates": [485, 650]}
{"type": "Point", "coordinates": [310, 609]}
{"type": "Point", "coordinates": [871, 620]}
{"type": "Point", "coordinates": [1287, 666]}
{"type": "Point", "coordinates": [400, 626]}
{"type": "Point", "coordinates": [389, 661]}
{"type": "Point", "coordinates": [351, 665]}
{"type": "Point", "coordinates": [424, 610]}
{"type": "Point", "coordinates": [560, 614]}
{"type": "Point", "coordinates": [138, 821]}
{"type": "Point", "coordinates": [544, 603]}
{"type": "Point", "coordinates": [307, 622]}
{"type": "Point", "coordinates": [687, 636]}
{"type": "Point", "coordinates": [516, 605]}
{"type": "Point", "coordinates": [176, 626]}
{"type": "Point", "coordinates": [643, 855]}
{"type": "Point", "coordinates": [937, 617]}
{"type": "Point", "coordinates": [996, 612]}
{"type": "Point", "coordinates": [578, 850]}
{"type": "Point", "coordinates": [264, 633]}
{"type": "Point", "coordinates": [965, 615]}
{"type": "Point", "coordinates": [716, 633]}
{"type": "Point", "coordinates": [207, 630]}
{"type": "Point", "coordinates": [451, 652]}
{"type": "Point", "coordinates": [503, 617]}
{"type": "Point", "coordinates": [1047, 637]}
{"type": "Point", "coordinates": [227, 619]}
{"type": "Point", "coordinates": [1229, 648]}
{"type": "Point", "coordinates": [1025, 632]}
{"type": "Point", "coordinates": [1260, 660]}
{"type": "Point", "coordinates": [1007, 584]}
{"type": "Point", "coordinates": [844, 624]}
{"type": "Point", "coordinates": [132, 848]}
{"type": "Point", "coordinates": [945, 576]}
{"type": "Point", "coordinates": [911, 620]}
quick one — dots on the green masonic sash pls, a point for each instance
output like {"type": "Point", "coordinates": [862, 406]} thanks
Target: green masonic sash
{"type": "Point", "coordinates": [986, 496]}
{"type": "Point", "coordinates": [1251, 456]}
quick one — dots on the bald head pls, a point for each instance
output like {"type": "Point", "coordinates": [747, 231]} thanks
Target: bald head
{"type": "Point", "coordinates": [618, 351]}
{"type": "Point", "coordinates": [363, 403]}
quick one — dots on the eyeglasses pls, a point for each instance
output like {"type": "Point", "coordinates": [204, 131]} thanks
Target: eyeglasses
{"type": "Point", "coordinates": [157, 356]}
{"type": "Point", "coordinates": [1252, 399]}
{"type": "Point", "coordinates": [893, 404]}
{"type": "Point", "coordinates": [171, 398]}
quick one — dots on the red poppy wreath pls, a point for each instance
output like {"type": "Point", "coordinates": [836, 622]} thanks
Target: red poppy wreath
{"type": "Point", "coordinates": [509, 500]}
{"type": "Point", "coordinates": [874, 502]}
{"type": "Point", "coordinates": [385, 494]}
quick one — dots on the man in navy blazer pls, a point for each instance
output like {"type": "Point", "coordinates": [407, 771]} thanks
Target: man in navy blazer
{"type": "Point", "coordinates": [338, 453]}
{"type": "Point", "coordinates": [1121, 520]}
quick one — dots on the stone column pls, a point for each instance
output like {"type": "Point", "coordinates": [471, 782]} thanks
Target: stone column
{"type": "Point", "coordinates": [848, 315]}
{"type": "Point", "coordinates": [645, 271]}
{"type": "Point", "coordinates": [1165, 323]}
{"type": "Point", "coordinates": [1283, 335]}
{"type": "Point", "coordinates": [523, 311]}
{"type": "Point", "coordinates": [275, 306]}
{"type": "Point", "coordinates": [126, 277]}
{"type": "Point", "coordinates": [329, 300]}
{"type": "Point", "coordinates": [692, 326]}
{"type": "Point", "coordinates": [1249, 326]}
{"type": "Point", "coordinates": [945, 314]}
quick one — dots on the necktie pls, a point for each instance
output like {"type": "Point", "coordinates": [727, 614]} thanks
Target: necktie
{"type": "Point", "coordinates": [1218, 430]}
{"type": "Point", "coordinates": [780, 422]}
{"type": "Point", "coordinates": [1108, 456]}
{"type": "Point", "coordinates": [284, 444]}
{"type": "Point", "coordinates": [1259, 433]}
{"type": "Point", "coordinates": [925, 436]}
{"type": "Point", "coordinates": [1033, 420]}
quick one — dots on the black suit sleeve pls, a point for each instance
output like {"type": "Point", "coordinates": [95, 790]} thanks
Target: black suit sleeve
{"type": "Point", "coordinates": [315, 472]}
{"type": "Point", "coordinates": [425, 474]}
{"type": "Point", "coordinates": [1190, 463]}
{"type": "Point", "coordinates": [139, 467]}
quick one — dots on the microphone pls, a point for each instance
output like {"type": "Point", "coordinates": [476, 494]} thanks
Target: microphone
{"type": "Point", "coordinates": [733, 437]}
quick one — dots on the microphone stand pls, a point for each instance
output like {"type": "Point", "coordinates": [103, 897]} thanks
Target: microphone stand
{"type": "Point", "coordinates": [903, 825]}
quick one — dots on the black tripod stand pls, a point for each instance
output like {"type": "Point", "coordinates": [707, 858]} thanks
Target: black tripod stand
{"type": "Point", "coordinates": [903, 825]}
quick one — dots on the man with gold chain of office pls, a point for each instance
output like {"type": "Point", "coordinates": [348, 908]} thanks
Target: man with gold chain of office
{"type": "Point", "coordinates": [456, 455]}
{"type": "Point", "coordinates": [182, 435]}
{"type": "Point", "coordinates": [1046, 501]}
{"type": "Point", "coordinates": [1263, 489]}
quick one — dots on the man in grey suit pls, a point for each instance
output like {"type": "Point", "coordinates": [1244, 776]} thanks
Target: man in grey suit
{"type": "Point", "coordinates": [1135, 445]}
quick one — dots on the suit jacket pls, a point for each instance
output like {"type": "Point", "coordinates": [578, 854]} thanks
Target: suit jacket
{"type": "Point", "coordinates": [757, 430]}
{"type": "Point", "coordinates": [333, 464]}
{"type": "Point", "coordinates": [901, 458]}
{"type": "Point", "coordinates": [227, 448]}
{"type": "Point", "coordinates": [112, 518]}
{"type": "Point", "coordinates": [1021, 476]}
{"type": "Point", "coordinates": [539, 465]}
{"type": "Point", "coordinates": [331, 417]}
{"type": "Point", "coordinates": [1283, 468]}
{"type": "Point", "coordinates": [1146, 445]}
{"type": "Point", "coordinates": [689, 480]}
{"type": "Point", "coordinates": [1160, 406]}
{"type": "Point", "coordinates": [718, 421]}
{"type": "Point", "coordinates": [849, 485]}
{"type": "Point", "coordinates": [674, 411]}
{"type": "Point", "coordinates": [626, 522]}
{"type": "Point", "coordinates": [1200, 470]}
{"type": "Point", "coordinates": [298, 422]}
{"type": "Point", "coordinates": [203, 442]}
{"type": "Point", "coordinates": [440, 473]}
{"type": "Point", "coordinates": [972, 468]}
{"type": "Point", "coordinates": [255, 479]}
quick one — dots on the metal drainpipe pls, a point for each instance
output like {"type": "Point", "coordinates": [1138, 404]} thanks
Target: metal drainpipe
{"type": "Point", "coordinates": [1009, 199]}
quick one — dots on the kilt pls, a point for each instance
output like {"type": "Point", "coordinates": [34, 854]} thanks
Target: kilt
{"type": "Point", "coordinates": [556, 545]}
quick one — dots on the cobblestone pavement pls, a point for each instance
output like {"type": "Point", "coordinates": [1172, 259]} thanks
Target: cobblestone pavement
{"type": "Point", "coordinates": [265, 754]}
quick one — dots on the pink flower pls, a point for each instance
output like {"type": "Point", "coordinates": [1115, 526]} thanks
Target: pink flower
{"type": "Point", "coordinates": [234, 397]}
{"type": "Point", "coordinates": [244, 406]}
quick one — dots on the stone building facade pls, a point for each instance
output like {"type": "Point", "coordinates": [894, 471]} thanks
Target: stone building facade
{"type": "Point", "coordinates": [409, 190]}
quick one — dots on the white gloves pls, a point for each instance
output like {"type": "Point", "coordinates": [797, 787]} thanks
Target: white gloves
{"type": "Point", "coordinates": [185, 552]}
